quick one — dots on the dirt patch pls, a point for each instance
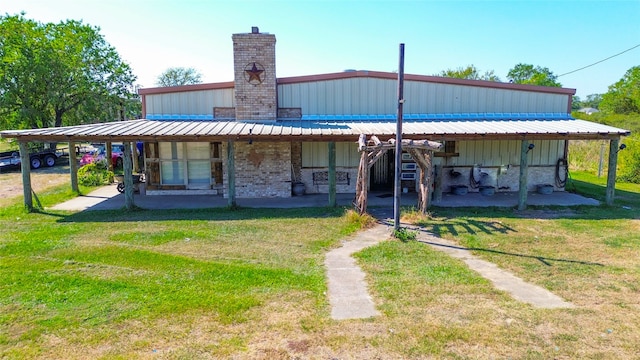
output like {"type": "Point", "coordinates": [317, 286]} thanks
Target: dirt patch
{"type": "Point", "coordinates": [41, 179]}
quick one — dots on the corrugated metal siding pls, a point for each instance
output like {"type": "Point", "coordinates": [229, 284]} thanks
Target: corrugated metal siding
{"type": "Point", "coordinates": [506, 152]}
{"type": "Point", "coordinates": [192, 102]}
{"type": "Point", "coordinates": [316, 154]}
{"type": "Point", "coordinates": [379, 96]}
{"type": "Point", "coordinates": [345, 96]}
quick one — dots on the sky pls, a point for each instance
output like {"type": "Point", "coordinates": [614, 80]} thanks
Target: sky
{"type": "Point", "coordinates": [318, 37]}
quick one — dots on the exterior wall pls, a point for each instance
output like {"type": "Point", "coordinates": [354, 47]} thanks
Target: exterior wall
{"type": "Point", "coordinates": [503, 179]}
{"type": "Point", "coordinates": [371, 96]}
{"type": "Point", "coordinates": [315, 158]}
{"type": "Point", "coordinates": [255, 100]}
{"type": "Point", "coordinates": [296, 160]}
{"type": "Point", "coordinates": [263, 169]}
{"type": "Point", "coordinates": [500, 161]}
{"type": "Point", "coordinates": [189, 103]}
{"type": "Point", "coordinates": [311, 188]}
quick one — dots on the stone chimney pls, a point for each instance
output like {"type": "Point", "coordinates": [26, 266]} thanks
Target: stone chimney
{"type": "Point", "coordinates": [254, 57]}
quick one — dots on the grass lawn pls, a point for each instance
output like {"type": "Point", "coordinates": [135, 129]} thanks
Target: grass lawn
{"type": "Point", "coordinates": [249, 283]}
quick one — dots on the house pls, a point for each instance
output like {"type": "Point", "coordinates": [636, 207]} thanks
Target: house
{"type": "Point", "coordinates": [259, 135]}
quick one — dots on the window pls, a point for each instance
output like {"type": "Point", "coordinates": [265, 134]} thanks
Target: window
{"type": "Point", "coordinates": [450, 147]}
{"type": "Point", "coordinates": [185, 163]}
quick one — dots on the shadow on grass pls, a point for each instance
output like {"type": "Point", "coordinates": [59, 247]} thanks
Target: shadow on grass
{"type": "Point", "coordinates": [467, 226]}
{"type": "Point", "coordinates": [545, 260]}
{"type": "Point", "coordinates": [598, 191]}
{"type": "Point", "coordinates": [213, 214]}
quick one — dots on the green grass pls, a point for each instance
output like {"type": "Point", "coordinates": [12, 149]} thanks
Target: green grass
{"type": "Point", "coordinates": [66, 273]}
{"type": "Point", "coordinates": [588, 184]}
{"type": "Point", "coordinates": [250, 283]}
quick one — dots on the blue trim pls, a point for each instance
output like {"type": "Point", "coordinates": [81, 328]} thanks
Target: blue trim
{"type": "Point", "coordinates": [180, 117]}
{"type": "Point", "coordinates": [390, 117]}
{"type": "Point", "coordinates": [440, 117]}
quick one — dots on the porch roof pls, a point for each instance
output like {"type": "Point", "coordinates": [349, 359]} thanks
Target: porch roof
{"type": "Point", "coordinates": [332, 128]}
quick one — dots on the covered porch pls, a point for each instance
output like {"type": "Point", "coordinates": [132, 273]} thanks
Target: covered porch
{"type": "Point", "coordinates": [108, 198]}
{"type": "Point", "coordinates": [240, 135]}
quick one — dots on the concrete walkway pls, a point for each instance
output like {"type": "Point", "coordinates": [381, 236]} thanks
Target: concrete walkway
{"type": "Point", "coordinates": [501, 279]}
{"type": "Point", "coordinates": [348, 293]}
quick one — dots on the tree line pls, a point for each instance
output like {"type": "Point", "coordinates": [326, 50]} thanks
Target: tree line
{"type": "Point", "coordinates": [67, 74]}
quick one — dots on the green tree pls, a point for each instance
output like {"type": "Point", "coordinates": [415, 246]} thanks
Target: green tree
{"type": "Point", "coordinates": [470, 72]}
{"type": "Point", "coordinates": [623, 97]}
{"type": "Point", "coordinates": [576, 103]}
{"type": "Point", "coordinates": [177, 76]}
{"type": "Point", "coordinates": [58, 74]}
{"type": "Point", "coordinates": [593, 101]}
{"type": "Point", "coordinates": [532, 75]}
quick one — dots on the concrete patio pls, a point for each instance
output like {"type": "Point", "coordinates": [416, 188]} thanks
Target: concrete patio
{"type": "Point", "coordinates": [108, 198]}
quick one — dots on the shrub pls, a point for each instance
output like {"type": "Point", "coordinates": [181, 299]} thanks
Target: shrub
{"type": "Point", "coordinates": [359, 221]}
{"type": "Point", "coordinates": [629, 160]}
{"type": "Point", "coordinates": [404, 234]}
{"type": "Point", "coordinates": [95, 174]}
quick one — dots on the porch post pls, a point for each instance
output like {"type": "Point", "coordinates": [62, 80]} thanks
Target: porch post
{"type": "Point", "coordinates": [332, 173]}
{"type": "Point", "coordinates": [522, 191]}
{"type": "Point", "coordinates": [438, 183]}
{"type": "Point", "coordinates": [611, 172]}
{"type": "Point", "coordinates": [25, 165]}
{"type": "Point", "coordinates": [231, 173]}
{"type": "Point", "coordinates": [128, 176]}
{"type": "Point", "coordinates": [73, 167]}
{"type": "Point", "coordinates": [108, 155]}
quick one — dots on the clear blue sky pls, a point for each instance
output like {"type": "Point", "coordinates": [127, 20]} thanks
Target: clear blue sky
{"type": "Point", "coordinates": [315, 37]}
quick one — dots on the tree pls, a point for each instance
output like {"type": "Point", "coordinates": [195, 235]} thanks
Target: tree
{"type": "Point", "coordinates": [576, 104]}
{"type": "Point", "coordinates": [533, 75]}
{"type": "Point", "coordinates": [470, 72]}
{"type": "Point", "coordinates": [177, 76]}
{"type": "Point", "coordinates": [623, 97]}
{"type": "Point", "coordinates": [58, 74]}
{"type": "Point", "coordinates": [592, 100]}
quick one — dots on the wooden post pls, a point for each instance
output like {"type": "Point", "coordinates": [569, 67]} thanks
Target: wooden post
{"type": "Point", "coordinates": [128, 176]}
{"type": "Point", "coordinates": [134, 157]}
{"type": "Point", "coordinates": [429, 159]}
{"type": "Point", "coordinates": [360, 201]}
{"type": "Point", "coordinates": [601, 161]}
{"type": "Point", "coordinates": [231, 174]}
{"type": "Point", "coordinates": [109, 155]}
{"type": "Point", "coordinates": [438, 183]}
{"type": "Point", "coordinates": [522, 191]}
{"type": "Point", "coordinates": [73, 167]}
{"type": "Point", "coordinates": [25, 165]}
{"type": "Point", "coordinates": [332, 173]}
{"type": "Point", "coordinates": [611, 172]}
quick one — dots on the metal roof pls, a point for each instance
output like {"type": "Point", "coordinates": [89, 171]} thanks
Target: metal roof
{"type": "Point", "coordinates": [332, 128]}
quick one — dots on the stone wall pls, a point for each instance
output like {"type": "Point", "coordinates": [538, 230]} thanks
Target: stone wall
{"type": "Point", "coordinates": [263, 169]}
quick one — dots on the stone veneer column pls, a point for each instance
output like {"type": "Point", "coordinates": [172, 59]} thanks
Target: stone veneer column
{"type": "Point", "coordinates": [254, 57]}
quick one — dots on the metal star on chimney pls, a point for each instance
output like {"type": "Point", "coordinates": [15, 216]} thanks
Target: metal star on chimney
{"type": "Point", "coordinates": [252, 73]}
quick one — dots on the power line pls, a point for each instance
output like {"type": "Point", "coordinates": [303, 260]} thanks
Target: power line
{"type": "Point", "coordinates": [598, 62]}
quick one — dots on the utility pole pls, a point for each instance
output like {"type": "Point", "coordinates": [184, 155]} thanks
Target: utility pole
{"type": "Point", "coordinates": [397, 182]}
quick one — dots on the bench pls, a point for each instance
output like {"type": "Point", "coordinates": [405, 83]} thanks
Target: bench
{"type": "Point", "coordinates": [322, 178]}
